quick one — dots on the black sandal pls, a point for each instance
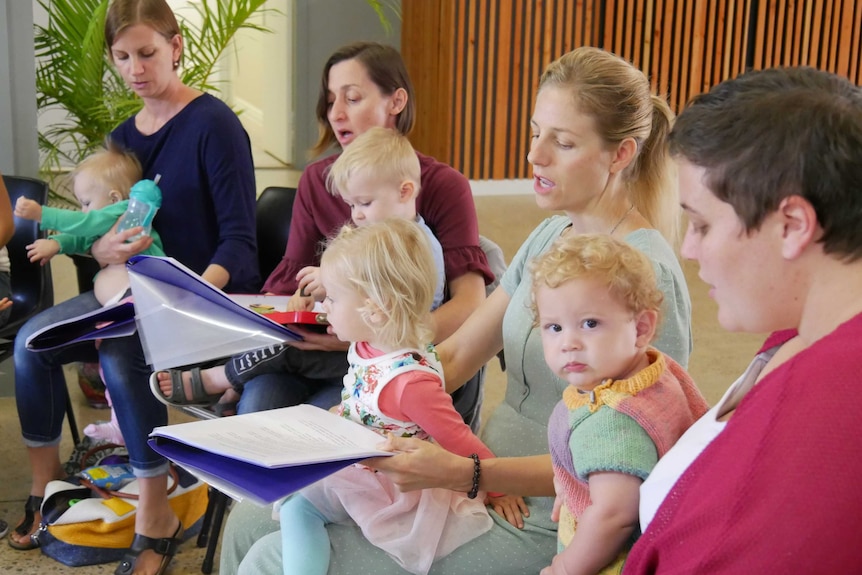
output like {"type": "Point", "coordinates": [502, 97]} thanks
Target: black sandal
{"type": "Point", "coordinates": [164, 546]}
{"type": "Point", "coordinates": [31, 508]}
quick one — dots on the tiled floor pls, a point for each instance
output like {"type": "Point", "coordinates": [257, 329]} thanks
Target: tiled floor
{"type": "Point", "coordinates": [718, 358]}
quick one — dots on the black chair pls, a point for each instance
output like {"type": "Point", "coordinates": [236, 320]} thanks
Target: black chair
{"type": "Point", "coordinates": [272, 217]}
{"type": "Point", "coordinates": [32, 286]}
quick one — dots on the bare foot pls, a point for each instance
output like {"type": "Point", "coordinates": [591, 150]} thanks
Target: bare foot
{"type": "Point", "coordinates": [214, 382]}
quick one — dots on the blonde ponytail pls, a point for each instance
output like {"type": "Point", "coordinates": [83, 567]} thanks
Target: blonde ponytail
{"type": "Point", "coordinates": [654, 189]}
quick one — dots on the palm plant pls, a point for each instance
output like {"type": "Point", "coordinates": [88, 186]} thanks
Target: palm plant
{"type": "Point", "coordinates": [381, 7]}
{"type": "Point", "coordinates": [74, 72]}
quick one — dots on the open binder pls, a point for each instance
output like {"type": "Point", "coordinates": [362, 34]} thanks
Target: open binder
{"type": "Point", "coordinates": [266, 455]}
{"type": "Point", "coordinates": [182, 319]}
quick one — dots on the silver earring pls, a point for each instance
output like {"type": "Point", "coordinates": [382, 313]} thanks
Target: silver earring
{"type": "Point", "coordinates": [176, 64]}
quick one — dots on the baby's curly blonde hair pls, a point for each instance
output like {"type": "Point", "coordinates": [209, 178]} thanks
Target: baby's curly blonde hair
{"type": "Point", "coordinates": [391, 265]}
{"type": "Point", "coordinates": [627, 272]}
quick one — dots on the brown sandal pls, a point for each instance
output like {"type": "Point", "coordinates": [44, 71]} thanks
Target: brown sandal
{"type": "Point", "coordinates": [29, 525]}
{"type": "Point", "coordinates": [164, 546]}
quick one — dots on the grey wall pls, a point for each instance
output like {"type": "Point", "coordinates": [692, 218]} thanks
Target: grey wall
{"type": "Point", "coordinates": [19, 153]}
{"type": "Point", "coordinates": [321, 27]}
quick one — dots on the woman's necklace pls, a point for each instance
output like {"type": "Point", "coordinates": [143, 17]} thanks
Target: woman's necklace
{"type": "Point", "coordinates": [625, 215]}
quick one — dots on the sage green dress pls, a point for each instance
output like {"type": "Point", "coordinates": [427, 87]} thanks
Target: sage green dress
{"type": "Point", "coordinates": [517, 428]}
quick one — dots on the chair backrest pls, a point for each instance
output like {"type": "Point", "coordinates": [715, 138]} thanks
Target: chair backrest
{"type": "Point", "coordinates": [496, 261]}
{"type": "Point", "coordinates": [32, 288]}
{"type": "Point", "coordinates": [272, 217]}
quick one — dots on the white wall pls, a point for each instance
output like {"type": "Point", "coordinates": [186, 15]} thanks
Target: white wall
{"type": "Point", "coordinates": [260, 74]}
{"type": "Point", "coordinates": [18, 148]}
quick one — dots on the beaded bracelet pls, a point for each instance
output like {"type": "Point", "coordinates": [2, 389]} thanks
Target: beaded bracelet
{"type": "Point", "coordinates": [474, 491]}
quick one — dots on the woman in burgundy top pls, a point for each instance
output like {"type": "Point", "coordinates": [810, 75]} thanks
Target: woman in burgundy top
{"type": "Point", "coordinates": [363, 85]}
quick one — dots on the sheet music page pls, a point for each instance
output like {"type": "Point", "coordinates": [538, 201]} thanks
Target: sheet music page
{"type": "Point", "coordinates": [285, 437]}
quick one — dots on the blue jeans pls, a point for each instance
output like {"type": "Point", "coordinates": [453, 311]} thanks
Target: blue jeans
{"type": "Point", "coordinates": [41, 395]}
{"type": "Point", "coordinates": [317, 378]}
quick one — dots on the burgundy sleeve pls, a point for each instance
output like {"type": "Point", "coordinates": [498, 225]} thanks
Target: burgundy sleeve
{"type": "Point", "coordinates": [446, 204]}
{"type": "Point", "coordinates": [316, 215]}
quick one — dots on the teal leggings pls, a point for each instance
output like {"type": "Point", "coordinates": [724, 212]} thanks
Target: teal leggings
{"type": "Point", "coordinates": [304, 540]}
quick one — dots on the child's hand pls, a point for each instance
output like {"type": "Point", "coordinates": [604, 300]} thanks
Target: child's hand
{"type": "Point", "coordinates": [558, 500]}
{"type": "Point", "coordinates": [43, 250]}
{"type": "Point", "coordinates": [555, 568]}
{"type": "Point", "coordinates": [28, 209]}
{"type": "Point", "coordinates": [512, 508]}
{"type": "Point", "coordinates": [299, 303]}
{"type": "Point", "coordinates": [555, 512]}
{"type": "Point", "coordinates": [310, 284]}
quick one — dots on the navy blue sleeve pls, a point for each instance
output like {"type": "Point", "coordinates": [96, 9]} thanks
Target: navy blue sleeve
{"type": "Point", "coordinates": [226, 153]}
{"type": "Point", "coordinates": [203, 158]}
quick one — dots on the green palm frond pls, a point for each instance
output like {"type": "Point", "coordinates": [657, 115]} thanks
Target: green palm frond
{"type": "Point", "coordinates": [381, 7]}
{"type": "Point", "coordinates": [205, 43]}
{"type": "Point", "coordinates": [70, 75]}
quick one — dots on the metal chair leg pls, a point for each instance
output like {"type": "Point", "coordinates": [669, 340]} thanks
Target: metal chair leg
{"type": "Point", "coordinates": [219, 509]}
{"type": "Point", "coordinates": [206, 522]}
{"type": "Point", "coordinates": [70, 415]}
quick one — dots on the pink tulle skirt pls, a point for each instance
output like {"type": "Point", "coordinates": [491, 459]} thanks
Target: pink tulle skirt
{"type": "Point", "coordinates": [415, 528]}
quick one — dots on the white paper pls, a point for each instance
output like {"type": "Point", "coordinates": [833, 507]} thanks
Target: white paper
{"type": "Point", "coordinates": [191, 321]}
{"type": "Point", "coordinates": [284, 437]}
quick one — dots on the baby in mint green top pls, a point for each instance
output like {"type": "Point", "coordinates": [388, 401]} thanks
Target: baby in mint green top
{"type": "Point", "coordinates": [101, 183]}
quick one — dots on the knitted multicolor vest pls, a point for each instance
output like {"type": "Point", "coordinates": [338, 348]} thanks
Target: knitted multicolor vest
{"type": "Point", "coordinates": [366, 378]}
{"type": "Point", "coordinates": [662, 399]}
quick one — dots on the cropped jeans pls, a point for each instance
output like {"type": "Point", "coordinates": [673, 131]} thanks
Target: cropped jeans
{"type": "Point", "coordinates": [287, 376]}
{"type": "Point", "coordinates": [41, 395]}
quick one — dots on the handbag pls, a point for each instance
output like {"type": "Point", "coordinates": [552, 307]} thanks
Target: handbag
{"type": "Point", "coordinates": [83, 524]}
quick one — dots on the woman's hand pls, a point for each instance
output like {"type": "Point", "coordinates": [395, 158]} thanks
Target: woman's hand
{"type": "Point", "coordinates": [313, 341]}
{"type": "Point", "coordinates": [216, 275]}
{"type": "Point", "coordinates": [5, 304]}
{"type": "Point", "coordinates": [512, 508]}
{"type": "Point", "coordinates": [112, 248]}
{"type": "Point", "coordinates": [423, 464]}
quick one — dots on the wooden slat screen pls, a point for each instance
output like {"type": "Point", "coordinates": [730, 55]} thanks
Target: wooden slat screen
{"type": "Point", "coordinates": [476, 63]}
{"type": "Point", "coordinates": [818, 33]}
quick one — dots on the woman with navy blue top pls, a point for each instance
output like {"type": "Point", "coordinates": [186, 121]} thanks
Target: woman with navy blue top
{"type": "Point", "coordinates": [206, 221]}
